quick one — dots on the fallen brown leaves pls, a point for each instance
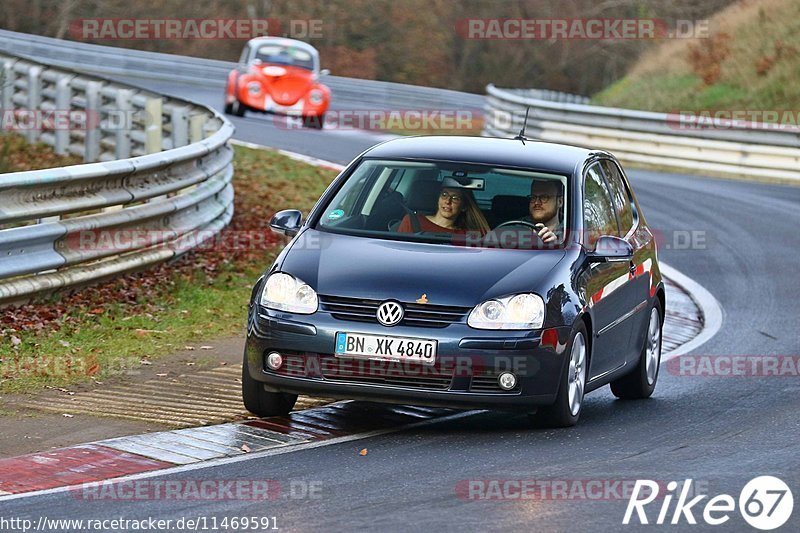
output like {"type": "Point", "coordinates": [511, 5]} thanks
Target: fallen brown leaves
{"type": "Point", "coordinates": [19, 156]}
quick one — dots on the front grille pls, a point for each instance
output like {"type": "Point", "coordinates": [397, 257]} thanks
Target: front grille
{"type": "Point", "coordinates": [331, 368]}
{"type": "Point", "coordinates": [487, 382]}
{"type": "Point", "coordinates": [419, 315]}
{"type": "Point", "coordinates": [406, 375]}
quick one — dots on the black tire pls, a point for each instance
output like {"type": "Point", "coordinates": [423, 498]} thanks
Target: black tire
{"type": "Point", "coordinates": [641, 381]}
{"type": "Point", "coordinates": [228, 109]}
{"type": "Point", "coordinates": [261, 402]}
{"type": "Point", "coordinates": [236, 108]}
{"type": "Point", "coordinates": [561, 413]}
{"type": "Point", "coordinates": [314, 122]}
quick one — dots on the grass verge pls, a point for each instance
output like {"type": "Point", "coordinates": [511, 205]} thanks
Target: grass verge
{"type": "Point", "coordinates": [119, 325]}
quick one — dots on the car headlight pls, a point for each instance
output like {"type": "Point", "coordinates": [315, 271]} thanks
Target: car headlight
{"type": "Point", "coordinates": [287, 293]}
{"type": "Point", "coordinates": [521, 311]}
{"type": "Point", "coordinates": [316, 96]}
{"type": "Point", "coordinates": [254, 87]}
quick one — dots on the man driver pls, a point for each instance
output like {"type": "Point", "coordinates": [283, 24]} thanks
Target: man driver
{"type": "Point", "coordinates": [545, 203]}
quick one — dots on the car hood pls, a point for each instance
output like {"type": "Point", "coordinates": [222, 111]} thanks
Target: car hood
{"type": "Point", "coordinates": [286, 85]}
{"type": "Point", "coordinates": [358, 267]}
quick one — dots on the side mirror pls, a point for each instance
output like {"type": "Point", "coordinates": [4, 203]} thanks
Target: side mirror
{"type": "Point", "coordinates": [324, 72]}
{"type": "Point", "coordinates": [610, 249]}
{"type": "Point", "coordinates": [287, 222]}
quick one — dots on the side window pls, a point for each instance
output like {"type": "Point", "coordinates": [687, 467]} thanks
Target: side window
{"type": "Point", "coordinates": [347, 202]}
{"type": "Point", "coordinates": [245, 55]}
{"type": "Point", "coordinates": [620, 196]}
{"type": "Point", "coordinates": [598, 212]}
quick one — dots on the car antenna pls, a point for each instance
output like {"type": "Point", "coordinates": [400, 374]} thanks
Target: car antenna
{"type": "Point", "coordinates": [521, 135]}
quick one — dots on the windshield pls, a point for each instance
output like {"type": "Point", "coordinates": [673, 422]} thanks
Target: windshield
{"type": "Point", "coordinates": [449, 203]}
{"type": "Point", "coordinates": [277, 54]}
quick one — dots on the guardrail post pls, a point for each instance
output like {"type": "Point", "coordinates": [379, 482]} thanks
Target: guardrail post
{"type": "Point", "coordinates": [63, 104]}
{"type": "Point", "coordinates": [197, 127]}
{"type": "Point", "coordinates": [153, 125]}
{"type": "Point", "coordinates": [122, 123]}
{"type": "Point", "coordinates": [7, 85]}
{"type": "Point", "coordinates": [211, 125]}
{"type": "Point", "coordinates": [180, 126]}
{"type": "Point", "coordinates": [502, 120]}
{"type": "Point", "coordinates": [91, 148]}
{"type": "Point", "coordinates": [34, 100]}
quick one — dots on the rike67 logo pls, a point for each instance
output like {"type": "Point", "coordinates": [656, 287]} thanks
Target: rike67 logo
{"type": "Point", "coordinates": [765, 503]}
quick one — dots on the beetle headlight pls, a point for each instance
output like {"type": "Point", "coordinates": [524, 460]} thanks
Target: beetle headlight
{"type": "Point", "coordinates": [316, 96]}
{"type": "Point", "coordinates": [521, 311]}
{"type": "Point", "coordinates": [254, 87]}
{"type": "Point", "coordinates": [287, 293]}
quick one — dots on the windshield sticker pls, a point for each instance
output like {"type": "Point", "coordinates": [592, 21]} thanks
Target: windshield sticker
{"type": "Point", "coordinates": [336, 213]}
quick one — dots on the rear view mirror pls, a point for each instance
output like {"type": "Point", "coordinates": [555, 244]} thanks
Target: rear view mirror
{"type": "Point", "coordinates": [287, 222]}
{"type": "Point", "coordinates": [610, 249]}
{"type": "Point", "coordinates": [457, 182]}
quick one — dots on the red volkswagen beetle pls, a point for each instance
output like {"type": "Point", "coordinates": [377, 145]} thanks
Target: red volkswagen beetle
{"type": "Point", "coordinates": [278, 75]}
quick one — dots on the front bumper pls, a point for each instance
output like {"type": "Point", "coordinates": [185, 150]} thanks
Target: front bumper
{"type": "Point", "coordinates": [464, 376]}
{"type": "Point", "coordinates": [264, 103]}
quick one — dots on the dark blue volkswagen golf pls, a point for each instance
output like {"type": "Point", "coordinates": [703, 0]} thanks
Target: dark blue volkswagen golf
{"type": "Point", "coordinates": [461, 272]}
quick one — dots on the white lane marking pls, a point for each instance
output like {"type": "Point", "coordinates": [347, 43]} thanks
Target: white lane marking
{"type": "Point", "coordinates": [709, 306]}
{"type": "Point", "coordinates": [247, 457]}
{"type": "Point", "coordinates": [313, 161]}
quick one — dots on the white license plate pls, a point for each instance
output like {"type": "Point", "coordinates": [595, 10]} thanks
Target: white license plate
{"type": "Point", "coordinates": [385, 348]}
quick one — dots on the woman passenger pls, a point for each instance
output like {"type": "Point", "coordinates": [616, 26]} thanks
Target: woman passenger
{"type": "Point", "coordinates": [457, 212]}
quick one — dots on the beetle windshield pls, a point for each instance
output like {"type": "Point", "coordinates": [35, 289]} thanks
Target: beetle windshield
{"type": "Point", "coordinates": [277, 54]}
{"type": "Point", "coordinates": [448, 203]}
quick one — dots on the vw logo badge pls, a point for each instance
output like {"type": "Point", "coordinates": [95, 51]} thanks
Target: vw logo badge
{"type": "Point", "coordinates": [389, 313]}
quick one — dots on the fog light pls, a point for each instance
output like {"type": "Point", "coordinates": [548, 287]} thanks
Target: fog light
{"type": "Point", "coordinates": [507, 381]}
{"type": "Point", "coordinates": [274, 361]}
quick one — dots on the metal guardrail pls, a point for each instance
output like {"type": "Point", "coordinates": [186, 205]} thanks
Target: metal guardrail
{"type": "Point", "coordinates": [646, 138]}
{"type": "Point", "coordinates": [157, 184]}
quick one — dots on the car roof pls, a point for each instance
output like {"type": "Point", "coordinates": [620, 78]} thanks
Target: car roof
{"type": "Point", "coordinates": [558, 158]}
{"type": "Point", "coordinates": [258, 41]}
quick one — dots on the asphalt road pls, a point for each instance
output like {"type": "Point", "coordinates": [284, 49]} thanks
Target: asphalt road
{"type": "Point", "coordinates": [718, 431]}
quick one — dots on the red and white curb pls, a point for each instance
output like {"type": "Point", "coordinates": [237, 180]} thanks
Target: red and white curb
{"type": "Point", "coordinates": [166, 450]}
{"type": "Point", "coordinates": [709, 307]}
